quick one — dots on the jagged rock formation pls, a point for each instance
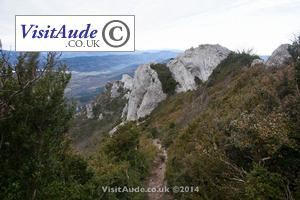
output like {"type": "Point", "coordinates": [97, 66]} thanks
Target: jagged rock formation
{"type": "Point", "coordinates": [146, 93]}
{"type": "Point", "coordinates": [116, 86]}
{"type": "Point", "coordinates": [279, 57]}
{"type": "Point", "coordinates": [115, 93]}
{"type": "Point", "coordinates": [196, 62]}
{"type": "Point", "coordinates": [146, 89]}
{"type": "Point", "coordinates": [127, 84]}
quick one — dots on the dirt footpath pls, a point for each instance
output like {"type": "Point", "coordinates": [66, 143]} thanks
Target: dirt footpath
{"type": "Point", "coordinates": [157, 175]}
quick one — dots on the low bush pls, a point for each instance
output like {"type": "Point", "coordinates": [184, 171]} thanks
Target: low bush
{"type": "Point", "coordinates": [165, 77]}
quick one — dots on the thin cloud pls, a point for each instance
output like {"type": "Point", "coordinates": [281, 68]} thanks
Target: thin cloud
{"type": "Point", "coordinates": [177, 24]}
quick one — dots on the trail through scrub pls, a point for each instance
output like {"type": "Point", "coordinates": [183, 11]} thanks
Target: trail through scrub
{"type": "Point", "coordinates": [157, 175]}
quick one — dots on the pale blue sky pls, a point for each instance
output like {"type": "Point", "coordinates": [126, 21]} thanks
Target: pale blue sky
{"type": "Point", "coordinates": [172, 24]}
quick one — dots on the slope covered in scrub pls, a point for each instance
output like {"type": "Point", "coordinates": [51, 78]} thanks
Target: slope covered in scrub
{"type": "Point", "coordinates": [236, 137]}
{"type": "Point", "coordinates": [105, 113]}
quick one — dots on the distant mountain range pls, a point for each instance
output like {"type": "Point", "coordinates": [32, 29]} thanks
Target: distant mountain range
{"type": "Point", "coordinates": [91, 70]}
{"type": "Point", "coordinates": [91, 73]}
{"type": "Point", "coordinates": [115, 61]}
{"type": "Point", "coordinates": [83, 54]}
{"type": "Point", "coordinates": [264, 57]}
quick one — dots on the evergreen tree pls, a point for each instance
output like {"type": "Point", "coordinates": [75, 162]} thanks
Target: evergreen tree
{"type": "Point", "coordinates": [34, 117]}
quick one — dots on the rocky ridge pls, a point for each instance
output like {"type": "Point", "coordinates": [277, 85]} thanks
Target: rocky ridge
{"type": "Point", "coordinates": [196, 62]}
{"type": "Point", "coordinates": [144, 91]}
{"type": "Point", "coordinates": [147, 90]}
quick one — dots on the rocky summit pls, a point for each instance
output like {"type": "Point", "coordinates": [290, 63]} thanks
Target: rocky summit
{"type": "Point", "coordinates": [196, 62]}
{"type": "Point", "coordinates": [279, 57]}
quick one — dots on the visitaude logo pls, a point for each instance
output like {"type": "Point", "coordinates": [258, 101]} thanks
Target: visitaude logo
{"type": "Point", "coordinates": [75, 33]}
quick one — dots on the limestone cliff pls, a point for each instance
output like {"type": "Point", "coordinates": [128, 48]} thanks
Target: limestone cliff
{"type": "Point", "coordinates": [146, 93]}
{"type": "Point", "coordinates": [196, 62]}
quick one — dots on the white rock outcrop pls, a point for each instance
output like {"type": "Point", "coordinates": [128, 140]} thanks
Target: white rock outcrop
{"type": "Point", "coordinates": [89, 111]}
{"type": "Point", "coordinates": [279, 57]}
{"type": "Point", "coordinates": [127, 81]}
{"type": "Point", "coordinates": [112, 131]}
{"type": "Point", "coordinates": [114, 93]}
{"type": "Point", "coordinates": [257, 62]}
{"type": "Point", "coordinates": [146, 93]}
{"type": "Point", "coordinates": [196, 62]}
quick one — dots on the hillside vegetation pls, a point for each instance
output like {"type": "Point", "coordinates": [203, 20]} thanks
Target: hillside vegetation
{"type": "Point", "coordinates": [37, 160]}
{"type": "Point", "coordinates": [87, 133]}
{"type": "Point", "coordinates": [237, 136]}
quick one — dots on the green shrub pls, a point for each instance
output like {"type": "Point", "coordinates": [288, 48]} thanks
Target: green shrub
{"type": "Point", "coordinates": [125, 159]}
{"type": "Point", "coordinates": [284, 88]}
{"type": "Point", "coordinates": [36, 162]}
{"type": "Point", "coordinates": [262, 184]}
{"type": "Point", "coordinates": [165, 77]}
{"type": "Point", "coordinates": [232, 64]}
